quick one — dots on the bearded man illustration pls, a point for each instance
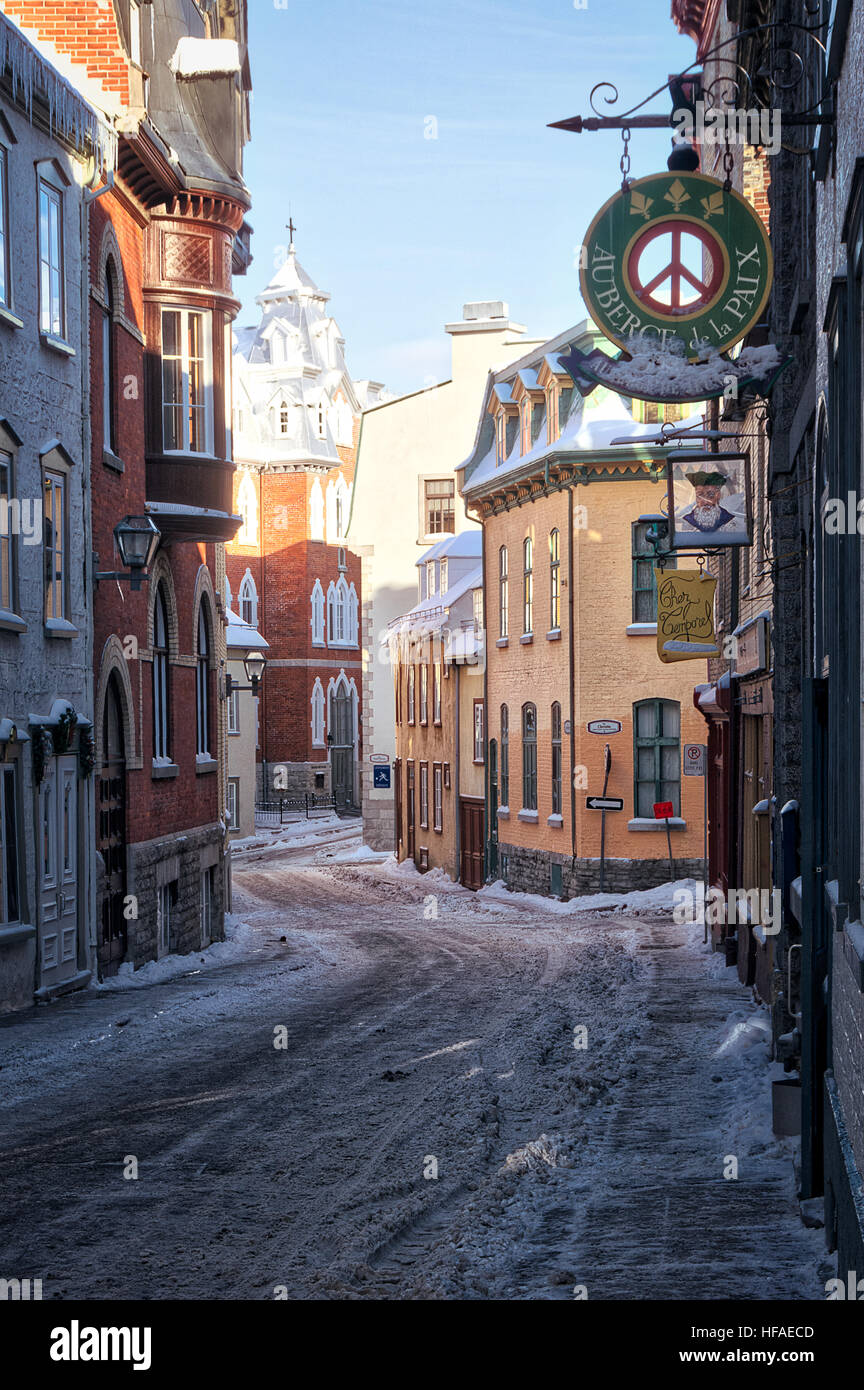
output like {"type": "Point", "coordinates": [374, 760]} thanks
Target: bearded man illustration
{"type": "Point", "coordinates": [707, 514]}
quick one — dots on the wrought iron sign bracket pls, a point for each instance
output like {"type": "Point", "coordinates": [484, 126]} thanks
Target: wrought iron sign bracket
{"type": "Point", "coordinates": [728, 98]}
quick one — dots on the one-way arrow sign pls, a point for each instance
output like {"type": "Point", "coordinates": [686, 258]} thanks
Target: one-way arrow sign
{"type": "Point", "coordinates": [604, 803]}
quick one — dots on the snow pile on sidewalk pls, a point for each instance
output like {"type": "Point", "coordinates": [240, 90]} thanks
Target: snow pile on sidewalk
{"type": "Point", "coordinates": [661, 899]}
{"type": "Point", "coordinates": [293, 834]}
{"type": "Point", "coordinates": [241, 942]}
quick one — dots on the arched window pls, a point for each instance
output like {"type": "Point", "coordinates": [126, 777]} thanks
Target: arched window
{"type": "Point", "coordinates": [656, 755]}
{"type": "Point", "coordinates": [554, 580]}
{"type": "Point", "coordinates": [338, 497]}
{"type": "Point", "coordinates": [527, 585]}
{"type": "Point", "coordinates": [318, 714]}
{"type": "Point", "coordinates": [341, 614]}
{"type": "Point", "coordinates": [248, 600]}
{"type": "Point", "coordinates": [556, 759]}
{"type": "Point", "coordinates": [247, 505]}
{"type": "Point", "coordinates": [317, 620]}
{"type": "Point", "coordinates": [161, 722]}
{"type": "Point", "coordinates": [109, 370]}
{"type": "Point", "coordinates": [529, 757]}
{"type": "Point", "coordinates": [503, 593]}
{"type": "Point", "coordinates": [353, 616]}
{"type": "Point", "coordinates": [505, 756]}
{"type": "Point", "coordinates": [202, 684]}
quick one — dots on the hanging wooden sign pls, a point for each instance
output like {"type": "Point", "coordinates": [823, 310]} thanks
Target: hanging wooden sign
{"type": "Point", "coordinates": [685, 615]}
{"type": "Point", "coordinates": [676, 256]}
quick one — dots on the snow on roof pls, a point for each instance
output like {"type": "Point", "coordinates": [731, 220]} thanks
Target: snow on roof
{"type": "Point", "coordinates": [466, 544]}
{"type": "Point", "coordinates": [289, 279]}
{"type": "Point", "coordinates": [432, 612]}
{"type": "Point", "coordinates": [239, 633]}
{"type": "Point", "coordinates": [204, 57]}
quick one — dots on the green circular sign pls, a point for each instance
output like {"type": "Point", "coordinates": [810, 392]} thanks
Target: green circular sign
{"type": "Point", "coordinates": [676, 256]}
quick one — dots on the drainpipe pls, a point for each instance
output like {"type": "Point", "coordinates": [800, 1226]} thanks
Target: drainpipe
{"type": "Point", "coordinates": [456, 779]}
{"type": "Point", "coordinates": [571, 641]}
{"type": "Point", "coordinates": [486, 814]}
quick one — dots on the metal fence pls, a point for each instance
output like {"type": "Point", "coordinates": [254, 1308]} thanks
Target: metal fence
{"type": "Point", "coordinates": [293, 808]}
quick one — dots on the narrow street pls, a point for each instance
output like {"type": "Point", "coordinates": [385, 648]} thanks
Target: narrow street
{"type": "Point", "coordinates": [412, 1044]}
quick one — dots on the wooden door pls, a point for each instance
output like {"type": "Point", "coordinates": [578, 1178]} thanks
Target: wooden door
{"type": "Point", "coordinates": [111, 837]}
{"type": "Point", "coordinates": [471, 840]}
{"type": "Point", "coordinates": [410, 809]}
{"type": "Point", "coordinates": [58, 871]}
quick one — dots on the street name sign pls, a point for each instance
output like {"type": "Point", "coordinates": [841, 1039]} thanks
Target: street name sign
{"type": "Point", "coordinates": [604, 726]}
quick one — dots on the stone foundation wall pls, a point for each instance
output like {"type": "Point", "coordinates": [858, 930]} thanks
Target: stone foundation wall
{"type": "Point", "coordinates": [529, 871]}
{"type": "Point", "coordinates": [179, 860]}
{"type": "Point", "coordinates": [379, 819]}
{"type": "Point", "coordinates": [294, 780]}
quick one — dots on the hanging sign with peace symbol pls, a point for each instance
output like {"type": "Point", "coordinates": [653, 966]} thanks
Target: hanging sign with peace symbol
{"type": "Point", "coordinates": [679, 256]}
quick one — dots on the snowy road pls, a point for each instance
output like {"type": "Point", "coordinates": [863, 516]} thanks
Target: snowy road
{"type": "Point", "coordinates": [409, 1045]}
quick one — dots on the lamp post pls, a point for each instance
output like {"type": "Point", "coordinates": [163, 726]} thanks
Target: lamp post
{"type": "Point", "coordinates": [136, 538]}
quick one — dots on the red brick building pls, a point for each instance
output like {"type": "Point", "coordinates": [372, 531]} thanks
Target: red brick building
{"type": "Point", "coordinates": [166, 238]}
{"type": "Point", "coordinates": [289, 571]}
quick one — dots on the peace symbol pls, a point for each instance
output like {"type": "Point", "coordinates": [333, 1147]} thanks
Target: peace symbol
{"type": "Point", "coordinates": [686, 238]}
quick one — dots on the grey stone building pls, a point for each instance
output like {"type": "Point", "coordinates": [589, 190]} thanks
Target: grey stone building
{"type": "Point", "coordinates": [51, 143]}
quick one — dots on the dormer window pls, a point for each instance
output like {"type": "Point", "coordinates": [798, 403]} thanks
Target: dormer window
{"type": "Point", "coordinates": [430, 578]}
{"type": "Point", "coordinates": [553, 428]}
{"type": "Point", "coordinates": [526, 414]}
{"type": "Point", "coordinates": [443, 576]}
{"type": "Point", "coordinates": [283, 418]}
{"type": "Point", "coordinates": [321, 420]}
{"type": "Point", "coordinates": [500, 436]}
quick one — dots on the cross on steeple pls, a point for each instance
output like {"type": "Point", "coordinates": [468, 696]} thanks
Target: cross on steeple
{"type": "Point", "coordinates": [291, 230]}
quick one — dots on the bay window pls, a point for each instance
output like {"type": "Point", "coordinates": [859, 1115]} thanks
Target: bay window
{"type": "Point", "coordinates": [187, 393]}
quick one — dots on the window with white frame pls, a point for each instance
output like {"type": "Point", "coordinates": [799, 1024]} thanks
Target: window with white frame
{"type": "Point", "coordinates": [443, 577]}
{"type": "Point", "coordinates": [234, 711]}
{"type": "Point", "coordinates": [233, 803]}
{"type": "Point", "coordinates": [187, 394]}
{"type": "Point", "coordinates": [479, 731]}
{"type": "Point", "coordinates": [52, 306]}
{"type": "Point", "coordinates": [316, 622]}
{"type": "Point", "coordinates": [135, 32]}
{"type": "Point", "coordinates": [437, 797]}
{"type": "Point", "coordinates": [247, 599]}
{"type": "Point", "coordinates": [424, 693]}
{"type": "Point", "coordinates": [318, 714]}
{"type": "Point", "coordinates": [424, 795]}
{"type": "Point", "coordinates": [503, 593]}
{"type": "Point", "coordinates": [55, 528]}
{"type": "Point", "coordinates": [5, 267]}
{"type": "Point", "coordinates": [10, 904]}
{"type": "Point", "coordinates": [161, 725]}
{"type": "Point", "coordinates": [322, 419]}
{"type": "Point", "coordinates": [436, 693]}
{"type": "Point", "coordinates": [412, 685]}
{"type": "Point", "coordinates": [338, 499]}
{"type": "Point", "coordinates": [247, 506]}
{"type": "Point", "coordinates": [477, 608]}
{"type": "Point", "coordinates": [430, 578]}
{"type": "Point", "coordinates": [283, 417]}
{"type": "Point", "coordinates": [439, 506]}
{"type": "Point", "coordinates": [7, 535]}
{"type": "Point", "coordinates": [342, 614]}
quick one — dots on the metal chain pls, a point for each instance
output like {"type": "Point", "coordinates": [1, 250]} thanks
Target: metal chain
{"type": "Point", "coordinates": [625, 160]}
{"type": "Point", "coordinates": [728, 164]}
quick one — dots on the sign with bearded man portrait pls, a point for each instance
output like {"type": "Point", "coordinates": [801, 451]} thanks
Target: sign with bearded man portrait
{"type": "Point", "coordinates": [709, 501]}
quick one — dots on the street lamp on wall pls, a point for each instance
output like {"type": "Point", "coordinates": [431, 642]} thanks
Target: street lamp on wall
{"type": "Point", "coordinates": [136, 538]}
{"type": "Point", "coordinates": [253, 664]}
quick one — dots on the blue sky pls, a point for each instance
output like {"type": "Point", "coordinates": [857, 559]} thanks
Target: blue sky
{"type": "Point", "coordinates": [403, 229]}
